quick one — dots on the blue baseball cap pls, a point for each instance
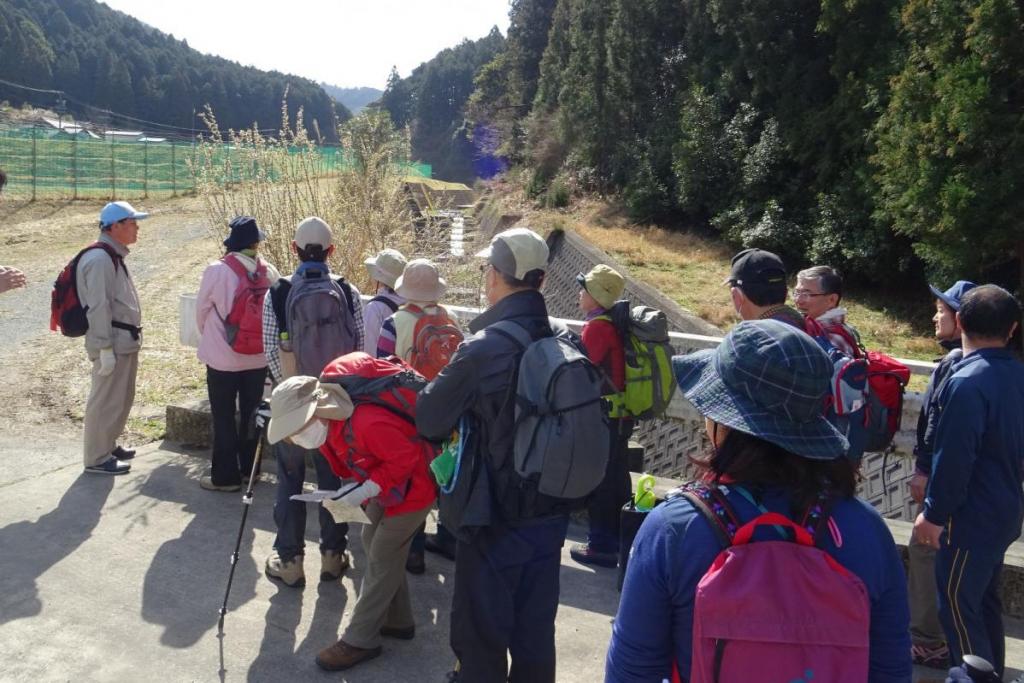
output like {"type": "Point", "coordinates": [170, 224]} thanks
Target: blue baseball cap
{"type": "Point", "coordinates": [767, 379]}
{"type": "Point", "coordinates": [118, 211]}
{"type": "Point", "coordinates": [954, 295]}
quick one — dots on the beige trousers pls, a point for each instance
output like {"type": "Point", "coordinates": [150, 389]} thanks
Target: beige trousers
{"type": "Point", "coordinates": [384, 594]}
{"type": "Point", "coordinates": [110, 401]}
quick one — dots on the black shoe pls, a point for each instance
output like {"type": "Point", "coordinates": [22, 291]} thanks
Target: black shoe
{"type": "Point", "coordinates": [109, 466]}
{"type": "Point", "coordinates": [433, 545]}
{"type": "Point", "coordinates": [399, 633]}
{"type": "Point", "coordinates": [415, 564]}
{"type": "Point", "coordinates": [584, 554]}
{"type": "Point", "coordinates": [123, 453]}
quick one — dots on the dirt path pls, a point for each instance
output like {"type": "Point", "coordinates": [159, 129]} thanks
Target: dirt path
{"type": "Point", "coordinates": [47, 374]}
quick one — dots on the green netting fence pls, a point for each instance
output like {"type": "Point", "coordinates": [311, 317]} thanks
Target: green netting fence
{"type": "Point", "coordinates": [41, 164]}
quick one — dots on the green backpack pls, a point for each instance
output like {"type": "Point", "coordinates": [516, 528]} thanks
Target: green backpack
{"type": "Point", "coordinates": [649, 380]}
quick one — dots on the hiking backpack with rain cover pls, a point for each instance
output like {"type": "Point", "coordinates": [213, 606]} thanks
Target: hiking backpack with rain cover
{"type": "Point", "coordinates": [561, 430]}
{"type": "Point", "coordinates": [66, 310]}
{"type": "Point", "coordinates": [384, 382]}
{"type": "Point", "coordinates": [316, 316]}
{"type": "Point", "coordinates": [778, 609]}
{"type": "Point", "coordinates": [650, 383]}
{"type": "Point", "coordinates": [435, 339]}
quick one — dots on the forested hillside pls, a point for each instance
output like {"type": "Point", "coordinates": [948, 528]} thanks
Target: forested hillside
{"type": "Point", "coordinates": [432, 100]}
{"type": "Point", "coordinates": [354, 99]}
{"type": "Point", "coordinates": [879, 136]}
{"type": "Point", "coordinates": [108, 60]}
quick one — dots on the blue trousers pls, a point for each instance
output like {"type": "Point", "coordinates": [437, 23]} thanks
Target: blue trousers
{"type": "Point", "coordinates": [969, 606]}
{"type": "Point", "coordinates": [505, 601]}
{"type": "Point", "coordinates": [290, 515]}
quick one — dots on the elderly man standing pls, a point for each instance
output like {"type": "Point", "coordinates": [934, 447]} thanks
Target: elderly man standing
{"type": "Point", "coordinates": [111, 302]}
{"type": "Point", "coordinates": [819, 290]}
{"type": "Point", "coordinates": [757, 284]}
{"type": "Point", "coordinates": [974, 505]}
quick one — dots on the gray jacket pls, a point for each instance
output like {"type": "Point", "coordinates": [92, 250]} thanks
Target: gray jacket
{"type": "Point", "coordinates": [108, 295]}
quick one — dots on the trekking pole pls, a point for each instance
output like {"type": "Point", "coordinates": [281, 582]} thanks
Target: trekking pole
{"type": "Point", "coordinates": [261, 417]}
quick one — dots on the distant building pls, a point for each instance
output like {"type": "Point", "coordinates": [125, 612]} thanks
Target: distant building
{"type": "Point", "coordinates": [123, 135]}
{"type": "Point", "coordinates": [57, 127]}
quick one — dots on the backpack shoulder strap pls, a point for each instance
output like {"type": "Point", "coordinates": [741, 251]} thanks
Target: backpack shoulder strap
{"type": "Point", "coordinates": [278, 300]}
{"type": "Point", "coordinates": [513, 331]}
{"type": "Point", "coordinates": [346, 289]}
{"type": "Point", "coordinates": [114, 256]}
{"type": "Point", "coordinates": [712, 504]}
{"type": "Point", "coordinates": [386, 301]}
{"type": "Point", "coordinates": [236, 266]}
{"type": "Point", "coordinates": [818, 515]}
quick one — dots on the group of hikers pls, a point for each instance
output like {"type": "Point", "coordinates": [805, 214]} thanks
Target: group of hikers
{"type": "Point", "coordinates": [766, 567]}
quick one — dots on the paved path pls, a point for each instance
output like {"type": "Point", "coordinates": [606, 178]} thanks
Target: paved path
{"type": "Point", "coordinates": [119, 579]}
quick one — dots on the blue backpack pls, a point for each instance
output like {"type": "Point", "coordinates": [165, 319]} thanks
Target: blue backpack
{"type": "Point", "coordinates": [846, 407]}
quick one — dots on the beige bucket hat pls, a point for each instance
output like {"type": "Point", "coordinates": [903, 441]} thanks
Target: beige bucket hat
{"type": "Point", "coordinates": [516, 251]}
{"type": "Point", "coordinates": [386, 266]}
{"type": "Point", "coordinates": [420, 281]}
{"type": "Point", "coordinates": [297, 399]}
{"type": "Point", "coordinates": [604, 283]}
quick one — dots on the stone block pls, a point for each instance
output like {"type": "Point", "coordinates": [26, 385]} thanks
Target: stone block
{"type": "Point", "coordinates": [190, 424]}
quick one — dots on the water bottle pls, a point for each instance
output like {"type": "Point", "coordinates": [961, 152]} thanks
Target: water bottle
{"type": "Point", "coordinates": [644, 498]}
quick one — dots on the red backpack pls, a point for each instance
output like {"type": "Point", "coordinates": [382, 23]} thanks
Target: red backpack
{"type": "Point", "coordinates": [887, 382]}
{"type": "Point", "coordinates": [434, 341]}
{"type": "Point", "coordinates": [244, 324]}
{"type": "Point", "coordinates": [384, 382]}
{"type": "Point", "coordinates": [780, 605]}
{"type": "Point", "coordinates": [66, 310]}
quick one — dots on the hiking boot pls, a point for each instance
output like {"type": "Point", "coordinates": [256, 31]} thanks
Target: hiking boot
{"type": "Point", "coordinates": [109, 466]}
{"type": "Point", "coordinates": [206, 483]}
{"type": "Point", "coordinates": [288, 573]}
{"type": "Point", "coordinates": [332, 565]}
{"type": "Point", "coordinates": [433, 545]}
{"type": "Point", "coordinates": [407, 633]}
{"type": "Point", "coordinates": [584, 554]}
{"type": "Point", "coordinates": [415, 564]}
{"type": "Point", "coordinates": [931, 656]}
{"type": "Point", "coordinates": [123, 453]}
{"type": "Point", "coordinates": [341, 656]}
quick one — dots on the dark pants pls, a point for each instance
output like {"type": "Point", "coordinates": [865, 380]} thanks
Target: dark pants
{"type": "Point", "coordinates": [605, 506]}
{"type": "Point", "coordinates": [505, 601]}
{"type": "Point", "coordinates": [290, 515]}
{"type": "Point", "coordinates": [443, 536]}
{"type": "Point", "coordinates": [969, 606]}
{"type": "Point", "coordinates": [234, 443]}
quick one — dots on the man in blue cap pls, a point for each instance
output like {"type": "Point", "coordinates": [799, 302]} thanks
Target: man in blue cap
{"type": "Point", "coordinates": [974, 504]}
{"type": "Point", "coordinates": [111, 302]}
{"type": "Point", "coordinates": [928, 641]}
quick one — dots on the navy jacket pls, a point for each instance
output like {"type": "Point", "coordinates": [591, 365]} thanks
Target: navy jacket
{"type": "Point", "coordinates": [928, 420]}
{"type": "Point", "coordinates": [478, 383]}
{"type": "Point", "coordinates": [975, 486]}
{"type": "Point", "coordinates": [676, 545]}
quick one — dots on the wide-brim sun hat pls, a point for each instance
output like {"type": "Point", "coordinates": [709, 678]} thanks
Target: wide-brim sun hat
{"type": "Point", "coordinates": [420, 281]}
{"type": "Point", "coordinates": [767, 379]}
{"type": "Point", "coordinates": [297, 399]}
{"type": "Point", "coordinates": [386, 266]}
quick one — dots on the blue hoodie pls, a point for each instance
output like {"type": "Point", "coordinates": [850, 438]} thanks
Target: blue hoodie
{"type": "Point", "coordinates": [975, 486]}
{"type": "Point", "coordinates": [674, 548]}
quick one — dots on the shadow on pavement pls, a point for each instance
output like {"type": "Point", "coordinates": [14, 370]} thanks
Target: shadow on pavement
{"type": "Point", "coordinates": [184, 585]}
{"type": "Point", "coordinates": [32, 548]}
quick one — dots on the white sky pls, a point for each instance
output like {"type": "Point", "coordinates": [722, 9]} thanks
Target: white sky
{"type": "Point", "coordinates": [348, 43]}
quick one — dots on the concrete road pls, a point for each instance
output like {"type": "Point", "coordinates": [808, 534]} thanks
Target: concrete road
{"type": "Point", "coordinates": [120, 579]}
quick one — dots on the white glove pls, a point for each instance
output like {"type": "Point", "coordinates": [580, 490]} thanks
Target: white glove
{"type": "Point", "coordinates": [262, 415]}
{"type": "Point", "coordinates": [356, 496]}
{"type": "Point", "coordinates": [107, 362]}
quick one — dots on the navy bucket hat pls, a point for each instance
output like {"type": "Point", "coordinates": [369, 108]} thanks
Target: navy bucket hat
{"type": "Point", "coordinates": [244, 233]}
{"type": "Point", "coordinates": [767, 379]}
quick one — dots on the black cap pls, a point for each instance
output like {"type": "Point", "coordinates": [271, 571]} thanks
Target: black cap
{"type": "Point", "coordinates": [756, 267]}
{"type": "Point", "coordinates": [244, 233]}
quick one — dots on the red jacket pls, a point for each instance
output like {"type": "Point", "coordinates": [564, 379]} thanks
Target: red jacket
{"type": "Point", "coordinates": [385, 448]}
{"type": "Point", "coordinates": [604, 349]}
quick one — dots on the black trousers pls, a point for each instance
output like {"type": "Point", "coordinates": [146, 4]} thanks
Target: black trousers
{"type": "Point", "coordinates": [505, 601]}
{"type": "Point", "coordinates": [234, 447]}
{"type": "Point", "coordinates": [605, 505]}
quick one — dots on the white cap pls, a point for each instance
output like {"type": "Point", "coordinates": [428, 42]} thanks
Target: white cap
{"type": "Point", "coordinates": [313, 230]}
{"type": "Point", "coordinates": [517, 251]}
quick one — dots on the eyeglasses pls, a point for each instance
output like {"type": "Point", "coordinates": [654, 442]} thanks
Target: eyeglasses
{"type": "Point", "coordinates": [806, 294]}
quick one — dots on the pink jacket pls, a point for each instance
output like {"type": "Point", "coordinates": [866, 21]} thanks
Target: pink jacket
{"type": "Point", "coordinates": [213, 303]}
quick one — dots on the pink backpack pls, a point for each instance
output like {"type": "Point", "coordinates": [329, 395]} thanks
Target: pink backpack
{"type": "Point", "coordinates": [776, 611]}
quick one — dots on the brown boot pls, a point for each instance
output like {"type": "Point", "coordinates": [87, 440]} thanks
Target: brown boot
{"type": "Point", "coordinates": [332, 564]}
{"type": "Point", "coordinates": [288, 573]}
{"type": "Point", "coordinates": [341, 656]}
